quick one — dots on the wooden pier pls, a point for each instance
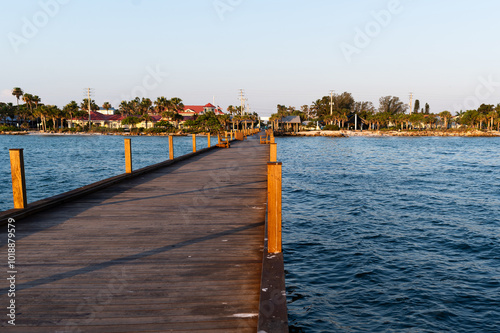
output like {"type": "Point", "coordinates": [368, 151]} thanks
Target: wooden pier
{"type": "Point", "coordinates": [176, 247]}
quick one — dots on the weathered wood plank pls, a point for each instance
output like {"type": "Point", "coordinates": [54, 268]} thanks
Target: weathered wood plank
{"type": "Point", "coordinates": [176, 248]}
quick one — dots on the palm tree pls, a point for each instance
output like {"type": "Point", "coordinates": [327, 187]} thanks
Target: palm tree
{"type": "Point", "coordinates": [124, 108]}
{"type": "Point", "coordinates": [482, 118]}
{"type": "Point", "coordinates": [85, 105]}
{"type": "Point", "coordinates": [224, 119]}
{"type": "Point", "coordinates": [430, 119]}
{"type": "Point", "coordinates": [161, 104]}
{"type": "Point", "coordinates": [231, 109]}
{"type": "Point", "coordinates": [55, 113]}
{"type": "Point", "coordinates": [71, 108]}
{"type": "Point", "coordinates": [492, 116]}
{"type": "Point", "coordinates": [497, 109]}
{"type": "Point", "coordinates": [176, 104]}
{"type": "Point", "coordinates": [445, 115]}
{"type": "Point", "coordinates": [106, 106]}
{"type": "Point", "coordinates": [18, 92]}
{"type": "Point", "coordinates": [43, 112]}
{"type": "Point", "coordinates": [36, 100]}
{"type": "Point", "coordinates": [144, 108]}
{"type": "Point", "coordinates": [28, 99]}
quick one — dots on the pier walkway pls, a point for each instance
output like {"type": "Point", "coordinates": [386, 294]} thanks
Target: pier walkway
{"type": "Point", "coordinates": [177, 249]}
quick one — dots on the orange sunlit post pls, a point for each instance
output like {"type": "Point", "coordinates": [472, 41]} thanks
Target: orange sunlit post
{"type": "Point", "coordinates": [128, 156]}
{"type": "Point", "coordinates": [274, 206]}
{"type": "Point", "coordinates": [171, 146]}
{"type": "Point", "coordinates": [18, 178]}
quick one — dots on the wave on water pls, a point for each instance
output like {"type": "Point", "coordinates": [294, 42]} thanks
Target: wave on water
{"type": "Point", "coordinates": [391, 235]}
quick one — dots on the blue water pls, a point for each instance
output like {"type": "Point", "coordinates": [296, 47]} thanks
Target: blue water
{"type": "Point", "coordinates": [392, 234]}
{"type": "Point", "coordinates": [380, 234]}
{"type": "Point", "coordinates": [56, 164]}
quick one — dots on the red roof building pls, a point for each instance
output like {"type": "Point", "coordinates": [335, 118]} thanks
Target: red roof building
{"type": "Point", "coordinates": [191, 110]}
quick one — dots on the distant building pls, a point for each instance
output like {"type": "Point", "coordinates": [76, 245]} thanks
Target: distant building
{"type": "Point", "coordinates": [111, 121]}
{"type": "Point", "coordinates": [109, 112]}
{"type": "Point", "coordinates": [290, 123]}
{"type": "Point", "coordinates": [196, 110]}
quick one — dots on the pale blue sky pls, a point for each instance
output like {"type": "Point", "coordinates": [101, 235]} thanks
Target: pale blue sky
{"type": "Point", "coordinates": [279, 51]}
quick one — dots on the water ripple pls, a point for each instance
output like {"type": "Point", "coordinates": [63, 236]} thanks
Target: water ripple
{"type": "Point", "coordinates": [392, 234]}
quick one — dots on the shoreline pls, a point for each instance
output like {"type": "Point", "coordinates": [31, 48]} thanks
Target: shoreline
{"type": "Point", "coordinates": [333, 134]}
{"type": "Point", "coordinates": [93, 134]}
{"type": "Point", "coordinates": [377, 134]}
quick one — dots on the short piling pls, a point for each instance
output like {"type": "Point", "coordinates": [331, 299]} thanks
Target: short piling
{"type": "Point", "coordinates": [274, 206]}
{"type": "Point", "coordinates": [18, 178]}
{"type": "Point", "coordinates": [128, 155]}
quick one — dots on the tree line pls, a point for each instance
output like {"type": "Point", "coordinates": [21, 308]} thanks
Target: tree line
{"type": "Point", "coordinates": [135, 111]}
{"type": "Point", "coordinates": [336, 110]}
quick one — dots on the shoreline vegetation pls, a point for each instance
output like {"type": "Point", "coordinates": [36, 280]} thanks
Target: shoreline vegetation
{"type": "Point", "coordinates": [400, 133]}
{"type": "Point", "coordinates": [313, 133]}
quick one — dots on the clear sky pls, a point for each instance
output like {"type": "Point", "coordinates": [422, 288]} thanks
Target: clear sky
{"type": "Point", "coordinates": [279, 51]}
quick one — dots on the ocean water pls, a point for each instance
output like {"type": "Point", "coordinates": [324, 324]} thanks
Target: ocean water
{"type": "Point", "coordinates": [56, 164]}
{"type": "Point", "coordinates": [379, 234]}
{"type": "Point", "coordinates": [392, 234]}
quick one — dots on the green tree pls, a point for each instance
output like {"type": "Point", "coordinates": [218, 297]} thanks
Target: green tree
{"type": "Point", "coordinates": [18, 92]}
{"type": "Point", "coordinates": [71, 109]}
{"type": "Point", "coordinates": [492, 116]}
{"type": "Point", "coordinates": [392, 105]}
{"type": "Point", "coordinates": [7, 110]}
{"type": "Point", "coordinates": [416, 119]}
{"type": "Point", "coordinates": [85, 105]}
{"type": "Point", "coordinates": [446, 116]}
{"type": "Point", "coordinates": [28, 99]}
{"type": "Point", "coordinates": [429, 120]}
{"type": "Point", "coordinates": [417, 106]}
{"type": "Point", "coordinates": [176, 104]}
{"type": "Point", "coordinates": [144, 109]}
{"type": "Point", "coordinates": [36, 100]}
{"type": "Point", "coordinates": [106, 106]}
{"type": "Point", "coordinates": [131, 120]}
{"type": "Point", "coordinates": [161, 105]}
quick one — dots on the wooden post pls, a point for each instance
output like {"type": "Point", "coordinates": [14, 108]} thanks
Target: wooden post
{"type": "Point", "coordinates": [274, 152]}
{"type": "Point", "coordinates": [194, 143]}
{"type": "Point", "coordinates": [272, 138]}
{"type": "Point", "coordinates": [209, 144]}
{"type": "Point", "coordinates": [18, 179]}
{"type": "Point", "coordinates": [128, 156]}
{"type": "Point", "coordinates": [274, 206]}
{"type": "Point", "coordinates": [171, 146]}
{"type": "Point", "coordinates": [232, 135]}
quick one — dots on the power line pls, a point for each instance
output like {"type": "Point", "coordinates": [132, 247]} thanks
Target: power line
{"type": "Point", "coordinates": [89, 92]}
{"type": "Point", "coordinates": [411, 102]}
{"type": "Point", "coordinates": [242, 100]}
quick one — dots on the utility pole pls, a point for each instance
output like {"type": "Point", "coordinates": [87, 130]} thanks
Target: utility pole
{"type": "Point", "coordinates": [411, 103]}
{"type": "Point", "coordinates": [331, 102]}
{"type": "Point", "coordinates": [242, 99]}
{"type": "Point", "coordinates": [89, 92]}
